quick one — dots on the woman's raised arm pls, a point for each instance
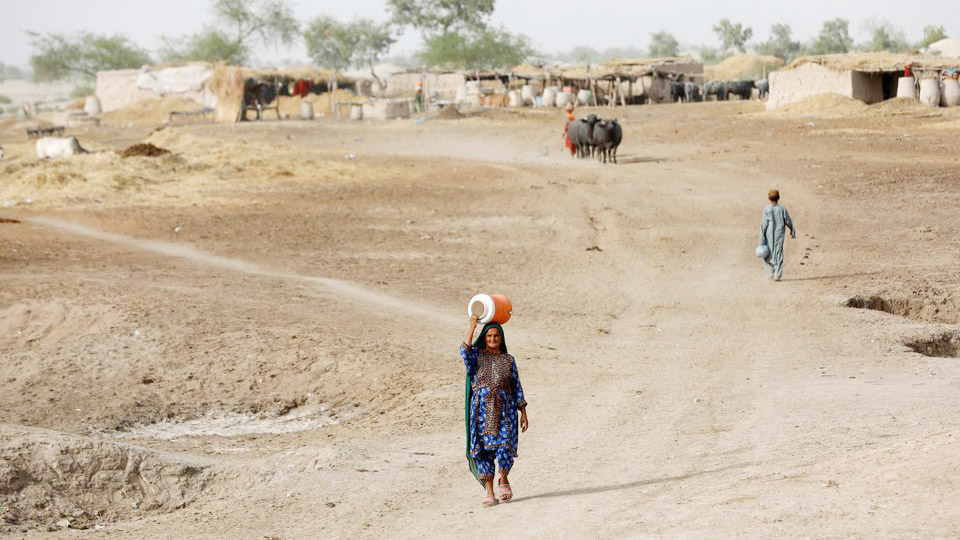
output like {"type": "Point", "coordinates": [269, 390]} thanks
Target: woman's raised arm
{"type": "Point", "coordinates": [468, 341]}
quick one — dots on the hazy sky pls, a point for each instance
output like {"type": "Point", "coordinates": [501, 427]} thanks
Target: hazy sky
{"type": "Point", "coordinates": [553, 25]}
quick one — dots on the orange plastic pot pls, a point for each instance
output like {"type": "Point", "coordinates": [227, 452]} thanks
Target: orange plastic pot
{"type": "Point", "coordinates": [490, 308]}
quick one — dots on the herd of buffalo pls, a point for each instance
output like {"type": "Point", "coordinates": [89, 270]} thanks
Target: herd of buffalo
{"type": "Point", "coordinates": [721, 90]}
{"type": "Point", "coordinates": [592, 136]}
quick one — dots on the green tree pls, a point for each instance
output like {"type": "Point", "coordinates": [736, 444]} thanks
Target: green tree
{"type": "Point", "coordinates": [210, 45]}
{"type": "Point", "coordinates": [441, 16]}
{"type": "Point", "coordinates": [584, 55]}
{"type": "Point", "coordinates": [732, 35]}
{"type": "Point", "coordinates": [710, 55]}
{"type": "Point", "coordinates": [338, 45]}
{"type": "Point", "coordinates": [486, 48]}
{"type": "Point", "coordinates": [330, 43]}
{"type": "Point", "coordinates": [663, 44]}
{"type": "Point", "coordinates": [885, 37]}
{"type": "Point", "coordinates": [834, 37]}
{"type": "Point", "coordinates": [57, 56]}
{"type": "Point", "coordinates": [931, 34]}
{"type": "Point", "coordinates": [780, 43]}
{"type": "Point", "coordinates": [237, 24]}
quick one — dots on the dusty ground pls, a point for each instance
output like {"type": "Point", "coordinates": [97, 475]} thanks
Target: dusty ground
{"type": "Point", "coordinates": [255, 335]}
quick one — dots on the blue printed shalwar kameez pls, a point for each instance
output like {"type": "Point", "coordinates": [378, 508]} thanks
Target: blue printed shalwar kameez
{"type": "Point", "coordinates": [492, 424]}
{"type": "Point", "coordinates": [773, 227]}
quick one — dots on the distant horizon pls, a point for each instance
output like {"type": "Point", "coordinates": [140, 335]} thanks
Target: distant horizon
{"type": "Point", "coordinates": [548, 25]}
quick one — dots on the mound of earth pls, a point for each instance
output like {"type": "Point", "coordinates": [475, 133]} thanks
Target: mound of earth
{"type": "Point", "coordinates": [447, 113]}
{"type": "Point", "coordinates": [144, 149]}
{"type": "Point", "coordinates": [57, 480]}
{"type": "Point", "coordinates": [823, 105]}
{"type": "Point", "coordinates": [743, 66]}
{"type": "Point", "coordinates": [903, 106]}
{"type": "Point", "coordinates": [149, 112]}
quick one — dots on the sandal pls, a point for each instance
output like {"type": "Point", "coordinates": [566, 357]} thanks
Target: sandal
{"type": "Point", "coordinates": [489, 501]}
{"type": "Point", "coordinates": [505, 492]}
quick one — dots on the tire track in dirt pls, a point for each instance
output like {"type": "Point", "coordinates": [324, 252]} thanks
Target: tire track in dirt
{"type": "Point", "coordinates": [345, 289]}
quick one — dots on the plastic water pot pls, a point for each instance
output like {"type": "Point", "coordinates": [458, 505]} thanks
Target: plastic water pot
{"type": "Point", "coordinates": [306, 110]}
{"type": "Point", "coordinates": [490, 308]}
{"type": "Point", "coordinates": [92, 106]}
{"type": "Point", "coordinates": [907, 87]}
{"type": "Point", "coordinates": [951, 93]}
{"type": "Point", "coordinates": [930, 92]}
{"type": "Point", "coordinates": [550, 97]}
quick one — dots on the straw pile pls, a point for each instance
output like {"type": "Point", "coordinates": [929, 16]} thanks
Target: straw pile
{"type": "Point", "coordinates": [875, 61]}
{"type": "Point", "coordinates": [197, 170]}
{"type": "Point", "coordinates": [149, 112]}
{"type": "Point", "coordinates": [227, 84]}
{"type": "Point", "coordinates": [743, 66]}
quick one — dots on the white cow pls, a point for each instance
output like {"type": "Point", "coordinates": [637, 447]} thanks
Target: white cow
{"type": "Point", "coordinates": [54, 147]}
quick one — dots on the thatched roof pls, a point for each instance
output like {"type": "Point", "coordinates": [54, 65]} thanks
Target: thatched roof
{"type": "Point", "coordinates": [876, 62]}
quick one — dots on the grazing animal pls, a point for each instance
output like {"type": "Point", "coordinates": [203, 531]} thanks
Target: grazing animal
{"type": "Point", "coordinates": [677, 92]}
{"type": "Point", "coordinates": [692, 92]}
{"type": "Point", "coordinates": [718, 89]}
{"type": "Point", "coordinates": [580, 135]}
{"type": "Point", "coordinates": [763, 85]}
{"type": "Point", "coordinates": [743, 89]}
{"type": "Point", "coordinates": [54, 147]}
{"type": "Point", "coordinates": [607, 135]}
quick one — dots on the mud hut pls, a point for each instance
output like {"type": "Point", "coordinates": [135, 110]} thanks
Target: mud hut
{"type": "Point", "coordinates": [868, 77]}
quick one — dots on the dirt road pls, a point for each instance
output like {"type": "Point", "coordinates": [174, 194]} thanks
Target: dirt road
{"type": "Point", "coordinates": [265, 330]}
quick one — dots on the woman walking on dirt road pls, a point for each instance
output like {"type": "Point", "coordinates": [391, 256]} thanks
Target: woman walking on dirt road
{"type": "Point", "coordinates": [773, 227]}
{"type": "Point", "coordinates": [494, 397]}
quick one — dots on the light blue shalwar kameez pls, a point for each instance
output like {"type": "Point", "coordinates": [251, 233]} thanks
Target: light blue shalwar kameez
{"type": "Point", "coordinates": [773, 227]}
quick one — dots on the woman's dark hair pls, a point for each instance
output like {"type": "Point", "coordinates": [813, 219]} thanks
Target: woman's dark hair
{"type": "Point", "coordinates": [481, 343]}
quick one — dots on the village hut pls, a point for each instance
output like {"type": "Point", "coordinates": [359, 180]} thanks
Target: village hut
{"type": "Point", "coordinates": [221, 89]}
{"type": "Point", "coordinates": [868, 77]}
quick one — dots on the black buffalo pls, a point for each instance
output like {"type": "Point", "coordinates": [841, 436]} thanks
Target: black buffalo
{"type": "Point", "coordinates": [607, 135]}
{"type": "Point", "coordinates": [717, 89]}
{"type": "Point", "coordinates": [763, 85]}
{"type": "Point", "coordinates": [743, 89]}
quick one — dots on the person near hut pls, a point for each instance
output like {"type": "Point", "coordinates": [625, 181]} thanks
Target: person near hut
{"type": "Point", "coordinates": [566, 126]}
{"type": "Point", "coordinates": [773, 225]}
{"type": "Point", "coordinates": [418, 98]}
{"type": "Point", "coordinates": [494, 398]}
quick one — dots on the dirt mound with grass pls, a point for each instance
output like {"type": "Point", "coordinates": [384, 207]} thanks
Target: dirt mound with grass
{"type": "Point", "coordinates": [144, 149]}
{"type": "Point", "coordinates": [743, 66]}
{"type": "Point", "coordinates": [447, 113]}
{"type": "Point", "coordinates": [833, 105]}
{"type": "Point", "coordinates": [904, 106]}
{"type": "Point", "coordinates": [149, 112]}
{"type": "Point", "coordinates": [54, 480]}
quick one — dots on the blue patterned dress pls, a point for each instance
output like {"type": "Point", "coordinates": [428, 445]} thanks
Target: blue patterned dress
{"type": "Point", "coordinates": [496, 397]}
